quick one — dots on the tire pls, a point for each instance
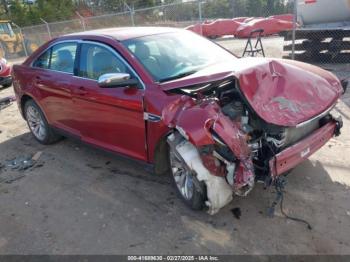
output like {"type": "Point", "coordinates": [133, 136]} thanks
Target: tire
{"type": "Point", "coordinates": [38, 124]}
{"type": "Point", "coordinates": [193, 193]}
{"type": "Point", "coordinates": [7, 84]}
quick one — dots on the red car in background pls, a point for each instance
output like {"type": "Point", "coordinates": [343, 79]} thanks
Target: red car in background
{"type": "Point", "coordinates": [215, 122]}
{"type": "Point", "coordinates": [5, 73]}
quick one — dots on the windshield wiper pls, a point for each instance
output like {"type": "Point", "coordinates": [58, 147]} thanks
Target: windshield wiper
{"type": "Point", "coordinates": [177, 76]}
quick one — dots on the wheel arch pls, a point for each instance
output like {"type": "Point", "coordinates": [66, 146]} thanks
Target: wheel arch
{"type": "Point", "coordinates": [161, 154]}
{"type": "Point", "coordinates": [24, 100]}
{"type": "Point", "coordinates": [26, 97]}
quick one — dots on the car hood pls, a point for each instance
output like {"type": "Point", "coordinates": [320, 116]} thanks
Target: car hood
{"type": "Point", "coordinates": [282, 92]}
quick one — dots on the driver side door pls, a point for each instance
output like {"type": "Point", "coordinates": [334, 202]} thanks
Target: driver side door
{"type": "Point", "coordinates": [111, 118]}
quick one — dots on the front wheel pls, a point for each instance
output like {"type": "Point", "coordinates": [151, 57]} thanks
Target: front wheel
{"type": "Point", "coordinates": [8, 84]}
{"type": "Point", "coordinates": [38, 124]}
{"type": "Point", "coordinates": [191, 190]}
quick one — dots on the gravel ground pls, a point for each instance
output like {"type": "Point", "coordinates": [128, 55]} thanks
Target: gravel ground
{"type": "Point", "coordinates": [80, 200]}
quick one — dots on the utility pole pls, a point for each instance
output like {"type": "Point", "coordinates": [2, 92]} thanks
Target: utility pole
{"type": "Point", "coordinates": [131, 10]}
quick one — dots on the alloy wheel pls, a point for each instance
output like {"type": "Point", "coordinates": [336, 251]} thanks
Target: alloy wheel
{"type": "Point", "coordinates": [182, 176]}
{"type": "Point", "coordinates": [36, 123]}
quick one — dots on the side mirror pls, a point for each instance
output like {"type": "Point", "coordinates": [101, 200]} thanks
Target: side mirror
{"type": "Point", "coordinates": [116, 80]}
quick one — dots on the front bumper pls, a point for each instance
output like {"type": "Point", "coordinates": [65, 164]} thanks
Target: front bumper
{"type": "Point", "coordinates": [297, 153]}
{"type": "Point", "coordinates": [7, 80]}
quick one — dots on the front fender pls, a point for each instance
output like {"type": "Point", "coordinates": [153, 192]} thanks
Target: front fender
{"type": "Point", "coordinates": [196, 121]}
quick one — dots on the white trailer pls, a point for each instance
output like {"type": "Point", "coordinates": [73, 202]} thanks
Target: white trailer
{"type": "Point", "coordinates": [323, 34]}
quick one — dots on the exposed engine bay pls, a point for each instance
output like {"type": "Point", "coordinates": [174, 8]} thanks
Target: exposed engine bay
{"type": "Point", "coordinates": [224, 143]}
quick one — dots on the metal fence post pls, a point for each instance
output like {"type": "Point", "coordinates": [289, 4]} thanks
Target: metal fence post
{"type": "Point", "coordinates": [295, 19]}
{"type": "Point", "coordinates": [131, 10]}
{"type": "Point", "coordinates": [47, 27]}
{"type": "Point", "coordinates": [82, 20]}
{"type": "Point", "coordinates": [200, 16]}
{"type": "Point", "coordinates": [132, 16]}
{"type": "Point", "coordinates": [23, 42]}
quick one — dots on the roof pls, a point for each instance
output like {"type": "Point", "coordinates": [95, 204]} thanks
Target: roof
{"type": "Point", "coordinates": [124, 33]}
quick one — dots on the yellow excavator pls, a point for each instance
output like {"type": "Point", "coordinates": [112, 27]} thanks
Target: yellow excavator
{"type": "Point", "coordinates": [14, 43]}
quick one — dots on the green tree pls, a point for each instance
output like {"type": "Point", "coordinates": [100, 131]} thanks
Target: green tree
{"type": "Point", "coordinates": [255, 7]}
{"type": "Point", "coordinates": [217, 8]}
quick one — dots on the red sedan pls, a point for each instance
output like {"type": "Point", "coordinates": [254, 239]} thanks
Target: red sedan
{"type": "Point", "coordinates": [174, 99]}
{"type": "Point", "coordinates": [5, 73]}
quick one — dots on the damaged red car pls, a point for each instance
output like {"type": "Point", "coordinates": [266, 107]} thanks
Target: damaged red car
{"type": "Point", "coordinates": [215, 122]}
{"type": "Point", "coordinates": [5, 73]}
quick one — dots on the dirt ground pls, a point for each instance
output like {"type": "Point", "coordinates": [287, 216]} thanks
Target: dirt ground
{"type": "Point", "coordinates": [80, 200]}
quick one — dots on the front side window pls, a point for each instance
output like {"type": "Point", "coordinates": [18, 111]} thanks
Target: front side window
{"type": "Point", "coordinates": [5, 29]}
{"type": "Point", "coordinates": [96, 60]}
{"type": "Point", "coordinates": [63, 57]}
{"type": "Point", "coordinates": [44, 60]}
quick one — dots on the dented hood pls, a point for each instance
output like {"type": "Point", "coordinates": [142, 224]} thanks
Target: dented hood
{"type": "Point", "coordinates": [282, 92]}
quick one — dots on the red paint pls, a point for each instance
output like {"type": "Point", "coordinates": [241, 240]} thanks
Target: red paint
{"type": "Point", "coordinates": [310, 1]}
{"type": "Point", "coordinates": [194, 119]}
{"type": "Point", "coordinates": [282, 92]}
{"type": "Point", "coordinates": [213, 165]}
{"type": "Point", "coordinates": [113, 118]}
{"type": "Point", "coordinates": [197, 120]}
{"type": "Point", "coordinates": [243, 175]}
{"type": "Point", "coordinates": [270, 26]}
{"type": "Point", "coordinates": [5, 71]}
{"type": "Point", "coordinates": [242, 26]}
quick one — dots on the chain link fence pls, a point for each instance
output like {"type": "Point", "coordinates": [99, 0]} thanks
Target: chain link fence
{"type": "Point", "coordinates": [320, 45]}
{"type": "Point", "coordinates": [177, 14]}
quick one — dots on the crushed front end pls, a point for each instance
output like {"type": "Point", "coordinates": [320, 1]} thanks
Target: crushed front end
{"type": "Point", "coordinates": [224, 143]}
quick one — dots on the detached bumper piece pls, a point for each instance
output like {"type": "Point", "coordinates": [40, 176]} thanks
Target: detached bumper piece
{"type": "Point", "coordinates": [297, 153]}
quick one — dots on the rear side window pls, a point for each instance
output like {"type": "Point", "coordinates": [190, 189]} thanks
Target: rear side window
{"type": "Point", "coordinates": [60, 57]}
{"type": "Point", "coordinates": [63, 57]}
{"type": "Point", "coordinates": [44, 60]}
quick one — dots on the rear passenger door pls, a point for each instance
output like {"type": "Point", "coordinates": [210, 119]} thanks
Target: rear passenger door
{"type": "Point", "coordinates": [52, 75]}
{"type": "Point", "coordinates": [111, 118]}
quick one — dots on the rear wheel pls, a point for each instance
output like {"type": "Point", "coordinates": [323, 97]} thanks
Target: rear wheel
{"type": "Point", "coordinates": [191, 191]}
{"type": "Point", "coordinates": [38, 124]}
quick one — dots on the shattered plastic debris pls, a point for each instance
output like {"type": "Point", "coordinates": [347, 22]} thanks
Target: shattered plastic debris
{"type": "Point", "coordinates": [21, 163]}
{"type": "Point", "coordinates": [24, 162]}
{"type": "Point", "coordinates": [6, 101]}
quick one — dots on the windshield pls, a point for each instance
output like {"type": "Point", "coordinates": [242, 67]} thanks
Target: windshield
{"type": "Point", "coordinates": [175, 55]}
{"type": "Point", "coordinates": [5, 29]}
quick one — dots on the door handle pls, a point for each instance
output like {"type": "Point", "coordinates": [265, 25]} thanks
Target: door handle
{"type": "Point", "coordinates": [38, 80]}
{"type": "Point", "coordinates": [81, 91]}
